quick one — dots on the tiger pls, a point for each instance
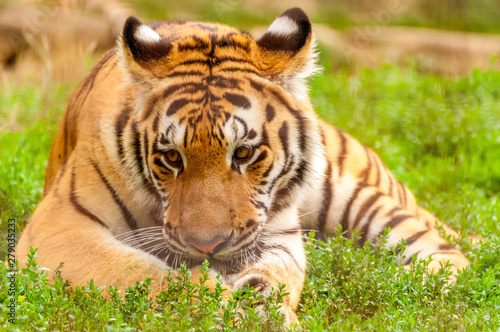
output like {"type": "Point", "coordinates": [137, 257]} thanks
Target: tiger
{"type": "Point", "coordinates": [194, 141]}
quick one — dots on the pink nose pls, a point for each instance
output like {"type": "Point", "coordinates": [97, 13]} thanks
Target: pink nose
{"type": "Point", "coordinates": [208, 249]}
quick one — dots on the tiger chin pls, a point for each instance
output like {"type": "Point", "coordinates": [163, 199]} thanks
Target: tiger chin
{"type": "Point", "coordinates": [192, 141]}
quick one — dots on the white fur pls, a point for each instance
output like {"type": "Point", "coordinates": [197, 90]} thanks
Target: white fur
{"type": "Point", "coordinates": [146, 34]}
{"type": "Point", "coordinates": [283, 26]}
{"type": "Point", "coordinates": [297, 84]}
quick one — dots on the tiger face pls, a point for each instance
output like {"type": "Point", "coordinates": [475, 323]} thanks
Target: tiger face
{"type": "Point", "coordinates": [226, 148]}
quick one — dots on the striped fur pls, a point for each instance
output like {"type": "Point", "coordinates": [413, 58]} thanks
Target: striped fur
{"type": "Point", "coordinates": [194, 141]}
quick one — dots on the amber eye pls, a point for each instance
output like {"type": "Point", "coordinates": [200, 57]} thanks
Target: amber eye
{"type": "Point", "coordinates": [173, 156]}
{"type": "Point", "coordinates": [243, 152]}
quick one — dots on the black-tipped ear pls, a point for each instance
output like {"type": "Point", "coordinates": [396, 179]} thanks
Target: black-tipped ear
{"type": "Point", "coordinates": [289, 32]}
{"type": "Point", "coordinates": [143, 43]}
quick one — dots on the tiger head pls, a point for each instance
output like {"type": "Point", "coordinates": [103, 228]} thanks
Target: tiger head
{"type": "Point", "coordinates": [230, 133]}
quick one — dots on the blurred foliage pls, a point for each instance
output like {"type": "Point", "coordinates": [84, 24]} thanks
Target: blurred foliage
{"type": "Point", "coordinates": [463, 15]}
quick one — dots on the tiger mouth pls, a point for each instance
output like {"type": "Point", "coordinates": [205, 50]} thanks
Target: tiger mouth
{"type": "Point", "coordinates": [228, 263]}
{"type": "Point", "coordinates": [229, 259]}
{"type": "Point", "coordinates": [240, 251]}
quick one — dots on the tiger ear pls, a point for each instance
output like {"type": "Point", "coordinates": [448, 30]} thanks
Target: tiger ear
{"type": "Point", "coordinates": [144, 52]}
{"type": "Point", "coordinates": [287, 51]}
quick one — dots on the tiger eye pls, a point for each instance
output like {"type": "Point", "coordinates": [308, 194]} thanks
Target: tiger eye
{"type": "Point", "coordinates": [173, 156]}
{"type": "Point", "coordinates": [243, 152]}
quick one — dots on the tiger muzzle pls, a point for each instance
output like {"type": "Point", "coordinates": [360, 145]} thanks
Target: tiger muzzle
{"type": "Point", "coordinates": [212, 247]}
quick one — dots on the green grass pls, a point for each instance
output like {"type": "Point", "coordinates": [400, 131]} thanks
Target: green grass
{"type": "Point", "coordinates": [440, 136]}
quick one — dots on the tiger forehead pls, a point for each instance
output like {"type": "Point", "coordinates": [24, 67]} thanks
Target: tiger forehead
{"type": "Point", "coordinates": [201, 36]}
{"type": "Point", "coordinates": [210, 108]}
{"type": "Point", "coordinates": [210, 99]}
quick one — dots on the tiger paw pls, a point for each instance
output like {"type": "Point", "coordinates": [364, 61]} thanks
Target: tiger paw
{"type": "Point", "coordinates": [263, 286]}
{"type": "Point", "coordinates": [259, 283]}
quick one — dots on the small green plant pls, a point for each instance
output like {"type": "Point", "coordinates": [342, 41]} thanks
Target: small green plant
{"type": "Point", "coordinates": [183, 306]}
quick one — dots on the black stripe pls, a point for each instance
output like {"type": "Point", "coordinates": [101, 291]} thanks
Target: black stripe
{"type": "Point", "coordinates": [403, 189]}
{"type": "Point", "coordinates": [227, 41]}
{"type": "Point", "coordinates": [379, 171]}
{"type": "Point", "coordinates": [446, 246]}
{"type": "Point", "coordinates": [323, 137]}
{"type": "Point", "coordinates": [400, 194]}
{"type": "Point", "coordinates": [391, 183]}
{"type": "Point", "coordinates": [176, 105]}
{"type": "Point", "coordinates": [74, 200]}
{"type": "Point", "coordinates": [279, 199]}
{"type": "Point", "coordinates": [270, 113]}
{"type": "Point", "coordinates": [185, 138]}
{"type": "Point", "coordinates": [302, 170]}
{"type": "Point", "coordinates": [302, 129]}
{"type": "Point", "coordinates": [256, 86]}
{"type": "Point", "coordinates": [275, 205]}
{"type": "Point", "coordinates": [259, 205]}
{"type": "Point", "coordinates": [199, 44]}
{"type": "Point", "coordinates": [365, 207]}
{"type": "Point", "coordinates": [365, 175]}
{"type": "Point", "coordinates": [120, 124]}
{"type": "Point", "coordinates": [218, 61]}
{"type": "Point", "coordinates": [284, 171]}
{"type": "Point", "coordinates": [238, 69]}
{"type": "Point", "coordinates": [364, 230]}
{"type": "Point", "coordinates": [412, 239]}
{"type": "Point", "coordinates": [242, 239]}
{"type": "Point", "coordinates": [394, 210]}
{"type": "Point", "coordinates": [251, 134]}
{"type": "Point", "coordinates": [265, 137]}
{"type": "Point", "coordinates": [174, 88]}
{"type": "Point", "coordinates": [238, 100]}
{"type": "Point", "coordinates": [146, 154]}
{"type": "Point", "coordinates": [186, 73]}
{"type": "Point", "coordinates": [347, 210]}
{"type": "Point", "coordinates": [195, 62]}
{"type": "Point", "coordinates": [158, 162]}
{"type": "Point", "coordinates": [168, 93]}
{"type": "Point", "coordinates": [156, 122]}
{"type": "Point", "coordinates": [327, 198]}
{"type": "Point", "coordinates": [136, 143]}
{"type": "Point", "coordinates": [129, 218]}
{"type": "Point", "coordinates": [283, 136]}
{"type": "Point", "coordinates": [261, 157]}
{"type": "Point", "coordinates": [266, 173]}
{"type": "Point", "coordinates": [395, 221]}
{"type": "Point", "coordinates": [243, 123]}
{"type": "Point", "coordinates": [447, 252]}
{"type": "Point", "coordinates": [343, 151]}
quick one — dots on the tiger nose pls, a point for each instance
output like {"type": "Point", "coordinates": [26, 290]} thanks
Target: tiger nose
{"type": "Point", "coordinates": [207, 249]}
{"type": "Point", "coordinates": [210, 248]}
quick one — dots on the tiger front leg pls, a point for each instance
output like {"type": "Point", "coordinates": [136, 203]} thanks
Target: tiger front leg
{"type": "Point", "coordinates": [90, 252]}
{"type": "Point", "coordinates": [282, 262]}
